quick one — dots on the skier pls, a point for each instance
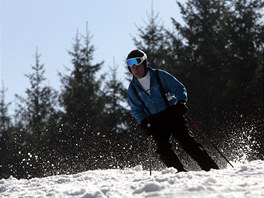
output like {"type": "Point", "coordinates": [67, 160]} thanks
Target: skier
{"type": "Point", "coordinates": [158, 103]}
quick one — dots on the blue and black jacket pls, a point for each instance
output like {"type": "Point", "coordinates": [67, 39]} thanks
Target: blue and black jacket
{"type": "Point", "coordinates": [144, 105]}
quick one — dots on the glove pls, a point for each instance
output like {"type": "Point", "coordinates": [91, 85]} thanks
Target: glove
{"type": "Point", "coordinates": [146, 126]}
{"type": "Point", "coordinates": [181, 107]}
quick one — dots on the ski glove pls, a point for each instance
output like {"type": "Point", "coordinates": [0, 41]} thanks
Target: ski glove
{"type": "Point", "coordinates": [146, 126]}
{"type": "Point", "coordinates": [181, 107]}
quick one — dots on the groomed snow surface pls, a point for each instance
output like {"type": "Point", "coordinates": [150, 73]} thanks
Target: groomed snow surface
{"type": "Point", "coordinates": [244, 180]}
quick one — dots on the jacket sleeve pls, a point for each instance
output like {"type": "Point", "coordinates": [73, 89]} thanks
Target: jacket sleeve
{"type": "Point", "coordinates": [175, 86]}
{"type": "Point", "coordinates": [137, 109]}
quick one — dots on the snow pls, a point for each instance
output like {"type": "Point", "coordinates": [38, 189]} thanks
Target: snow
{"type": "Point", "coordinates": [244, 180]}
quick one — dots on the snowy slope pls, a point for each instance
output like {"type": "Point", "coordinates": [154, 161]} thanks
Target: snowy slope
{"type": "Point", "coordinates": [244, 180]}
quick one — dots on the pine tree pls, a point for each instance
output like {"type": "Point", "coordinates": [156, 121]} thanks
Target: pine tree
{"type": "Point", "coordinates": [82, 101]}
{"type": "Point", "coordinates": [246, 79]}
{"type": "Point", "coordinates": [36, 117]}
{"type": "Point", "coordinates": [115, 100]}
{"type": "Point", "coordinates": [153, 41]}
{"type": "Point", "coordinates": [247, 49]}
{"type": "Point", "coordinates": [5, 120]}
{"type": "Point", "coordinates": [201, 57]}
{"type": "Point", "coordinates": [119, 138]}
{"type": "Point", "coordinates": [214, 36]}
{"type": "Point", "coordinates": [5, 125]}
{"type": "Point", "coordinates": [11, 144]}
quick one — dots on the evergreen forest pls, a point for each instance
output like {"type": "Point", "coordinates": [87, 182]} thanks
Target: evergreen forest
{"type": "Point", "coordinates": [217, 53]}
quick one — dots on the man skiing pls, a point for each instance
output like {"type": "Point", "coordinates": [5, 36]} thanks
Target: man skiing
{"type": "Point", "coordinates": [158, 103]}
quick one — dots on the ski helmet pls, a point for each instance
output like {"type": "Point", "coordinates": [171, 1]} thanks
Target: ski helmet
{"type": "Point", "coordinates": [136, 57]}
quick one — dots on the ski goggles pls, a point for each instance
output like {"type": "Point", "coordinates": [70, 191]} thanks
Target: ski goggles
{"type": "Point", "coordinates": [135, 61]}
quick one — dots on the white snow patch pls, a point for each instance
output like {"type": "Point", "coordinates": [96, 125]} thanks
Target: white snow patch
{"type": "Point", "coordinates": [244, 180]}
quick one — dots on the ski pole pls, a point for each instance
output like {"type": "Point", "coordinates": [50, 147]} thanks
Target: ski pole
{"type": "Point", "coordinates": [150, 154]}
{"type": "Point", "coordinates": [208, 140]}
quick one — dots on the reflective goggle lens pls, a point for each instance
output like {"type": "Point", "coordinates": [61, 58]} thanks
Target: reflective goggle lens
{"type": "Point", "coordinates": [134, 61]}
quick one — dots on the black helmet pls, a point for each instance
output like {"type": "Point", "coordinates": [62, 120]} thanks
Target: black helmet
{"type": "Point", "coordinates": [136, 57]}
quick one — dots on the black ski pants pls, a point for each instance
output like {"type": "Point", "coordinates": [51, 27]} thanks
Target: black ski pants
{"type": "Point", "coordinates": [169, 123]}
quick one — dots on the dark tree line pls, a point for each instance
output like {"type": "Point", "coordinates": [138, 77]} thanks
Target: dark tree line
{"type": "Point", "coordinates": [217, 53]}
